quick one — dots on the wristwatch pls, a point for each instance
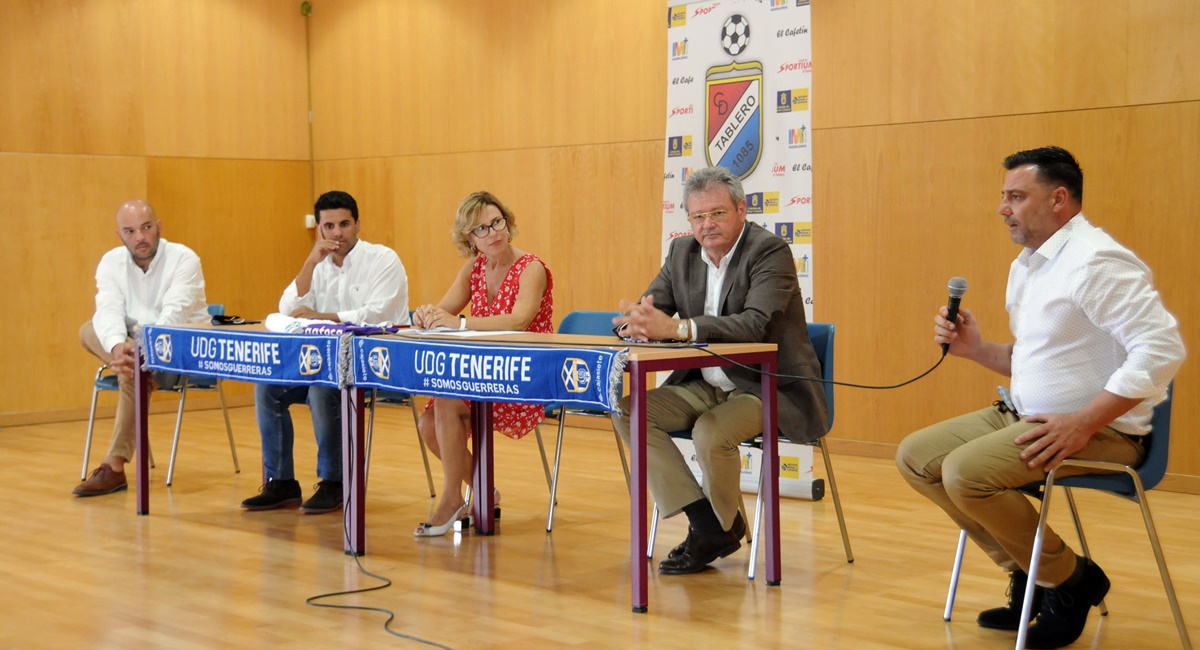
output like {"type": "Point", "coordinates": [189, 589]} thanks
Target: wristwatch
{"type": "Point", "coordinates": [683, 331]}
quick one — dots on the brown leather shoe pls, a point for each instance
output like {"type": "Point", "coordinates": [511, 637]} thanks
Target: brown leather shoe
{"type": "Point", "coordinates": [103, 480]}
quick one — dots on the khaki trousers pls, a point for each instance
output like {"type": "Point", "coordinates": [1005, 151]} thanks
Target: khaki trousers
{"type": "Point", "coordinates": [122, 437]}
{"type": "Point", "coordinates": [970, 467]}
{"type": "Point", "coordinates": [719, 422]}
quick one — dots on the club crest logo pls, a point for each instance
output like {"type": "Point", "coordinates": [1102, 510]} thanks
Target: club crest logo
{"type": "Point", "coordinates": [576, 376]}
{"type": "Point", "coordinates": [733, 117]}
{"type": "Point", "coordinates": [379, 362]}
{"type": "Point", "coordinates": [310, 359]}
{"type": "Point", "coordinates": [163, 348]}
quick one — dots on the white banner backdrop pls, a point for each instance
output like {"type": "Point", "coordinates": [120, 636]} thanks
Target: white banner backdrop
{"type": "Point", "coordinates": [738, 75]}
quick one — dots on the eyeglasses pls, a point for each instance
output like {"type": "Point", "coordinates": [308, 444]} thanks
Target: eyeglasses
{"type": "Point", "coordinates": [716, 215]}
{"type": "Point", "coordinates": [499, 225]}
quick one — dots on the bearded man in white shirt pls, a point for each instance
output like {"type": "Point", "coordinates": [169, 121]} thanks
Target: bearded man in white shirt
{"type": "Point", "coordinates": [1094, 350]}
{"type": "Point", "coordinates": [346, 280]}
{"type": "Point", "coordinates": [148, 281]}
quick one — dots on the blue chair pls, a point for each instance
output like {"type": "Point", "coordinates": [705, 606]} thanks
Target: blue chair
{"type": "Point", "coordinates": [1126, 482]}
{"type": "Point", "coordinates": [821, 335]}
{"type": "Point", "coordinates": [107, 381]}
{"type": "Point", "coordinates": [595, 323]}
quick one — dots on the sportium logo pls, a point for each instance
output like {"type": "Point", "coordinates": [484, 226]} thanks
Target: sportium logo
{"type": "Point", "coordinates": [788, 101]}
{"type": "Point", "coordinates": [676, 16]}
{"type": "Point", "coordinates": [679, 146]}
{"type": "Point", "coordinates": [797, 138]}
{"type": "Point", "coordinates": [679, 50]}
{"type": "Point", "coordinates": [762, 202]}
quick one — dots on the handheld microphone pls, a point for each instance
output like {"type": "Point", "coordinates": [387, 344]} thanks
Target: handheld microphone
{"type": "Point", "coordinates": [957, 287]}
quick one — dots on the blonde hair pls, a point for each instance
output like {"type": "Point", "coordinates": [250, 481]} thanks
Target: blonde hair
{"type": "Point", "coordinates": [468, 211]}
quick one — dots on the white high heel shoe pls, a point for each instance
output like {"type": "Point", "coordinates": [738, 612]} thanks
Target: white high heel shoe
{"type": "Point", "coordinates": [427, 529]}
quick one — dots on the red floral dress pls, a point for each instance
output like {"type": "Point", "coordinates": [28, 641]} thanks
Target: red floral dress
{"type": "Point", "coordinates": [512, 420]}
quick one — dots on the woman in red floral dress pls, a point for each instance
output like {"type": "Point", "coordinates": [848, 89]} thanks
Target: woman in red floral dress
{"type": "Point", "coordinates": [508, 289]}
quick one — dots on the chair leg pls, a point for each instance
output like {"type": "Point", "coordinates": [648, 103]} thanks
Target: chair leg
{"type": "Point", "coordinates": [537, 430]}
{"type": "Point", "coordinates": [624, 461]}
{"type": "Point", "coordinates": [87, 442]}
{"type": "Point", "coordinates": [757, 528]}
{"type": "Point", "coordinates": [954, 573]}
{"type": "Point", "coordinates": [178, 426]}
{"type": "Point", "coordinates": [237, 468]}
{"type": "Point", "coordinates": [562, 420]}
{"type": "Point", "coordinates": [837, 501]}
{"type": "Point", "coordinates": [370, 430]}
{"type": "Point", "coordinates": [1083, 545]}
{"type": "Point", "coordinates": [1168, 586]}
{"type": "Point", "coordinates": [412, 404]}
{"type": "Point", "coordinates": [653, 532]}
{"type": "Point", "coordinates": [1035, 561]}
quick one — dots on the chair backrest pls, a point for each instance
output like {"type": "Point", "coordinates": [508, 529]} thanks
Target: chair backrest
{"type": "Point", "coordinates": [596, 323]}
{"type": "Point", "coordinates": [216, 309]}
{"type": "Point", "coordinates": [821, 335]}
{"type": "Point", "coordinates": [1154, 466]}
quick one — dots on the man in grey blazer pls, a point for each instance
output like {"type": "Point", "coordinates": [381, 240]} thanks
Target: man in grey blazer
{"type": "Point", "coordinates": [732, 282]}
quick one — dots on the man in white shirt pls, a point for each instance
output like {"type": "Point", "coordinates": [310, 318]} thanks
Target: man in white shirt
{"type": "Point", "coordinates": [1094, 350]}
{"type": "Point", "coordinates": [343, 279]}
{"type": "Point", "coordinates": [148, 281]}
{"type": "Point", "coordinates": [732, 281]}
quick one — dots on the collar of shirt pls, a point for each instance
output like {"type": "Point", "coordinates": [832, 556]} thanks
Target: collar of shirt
{"type": "Point", "coordinates": [1054, 244]}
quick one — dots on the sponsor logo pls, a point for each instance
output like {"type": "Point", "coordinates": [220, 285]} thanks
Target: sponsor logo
{"type": "Point", "coordinates": [802, 167]}
{"type": "Point", "coordinates": [576, 376]}
{"type": "Point", "coordinates": [762, 202]}
{"type": "Point", "coordinates": [679, 145]}
{"type": "Point", "coordinates": [799, 232]}
{"type": "Point", "coordinates": [733, 117]}
{"type": "Point", "coordinates": [801, 65]}
{"type": "Point", "coordinates": [679, 50]}
{"type": "Point", "coordinates": [790, 32]}
{"type": "Point", "coordinates": [802, 265]}
{"type": "Point", "coordinates": [801, 3]}
{"type": "Point", "coordinates": [668, 207]}
{"type": "Point", "coordinates": [704, 11]}
{"type": "Point", "coordinates": [687, 171]}
{"type": "Point", "coordinates": [683, 110]}
{"type": "Point", "coordinates": [779, 4]}
{"type": "Point", "coordinates": [310, 359]}
{"type": "Point", "coordinates": [796, 138]}
{"type": "Point", "coordinates": [668, 176]}
{"type": "Point", "coordinates": [789, 467]}
{"type": "Point", "coordinates": [163, 347]}
{"type": "Point", "coordinates": [778, 170]}
{"type": "Point", "coordinates": [380, 362]}
{"type": "Point", "coordinates": [795, 99]}
{"type": "Point", "coordinates": [681, 81]}
{"type": "Point", "coordinates": [676, 16]}
{"type": "Point", "coordinates": [800, 199]}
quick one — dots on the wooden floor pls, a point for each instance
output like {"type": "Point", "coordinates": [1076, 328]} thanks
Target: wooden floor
{"type": "Point", "coordinates": [200, 573]}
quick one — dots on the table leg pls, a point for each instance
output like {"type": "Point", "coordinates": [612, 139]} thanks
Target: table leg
{"type": "Point", "coordinates": [484, 479]}
{"type": "Point", "coordinates": [637, 487]}
{"type": "Point", "coordinates": [771, 465]}
{"type": "Point", "coordinates": [354, 483]}
{"type": "Point", "coordinates": [141, 431]}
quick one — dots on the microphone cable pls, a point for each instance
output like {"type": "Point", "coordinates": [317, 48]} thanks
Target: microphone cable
{"type": "Point", "coordinates": [819, 379]}
{"type": "Point", "coordinates": [311, 601]}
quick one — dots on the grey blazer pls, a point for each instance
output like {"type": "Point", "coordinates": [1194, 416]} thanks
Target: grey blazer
{"type": "Point", "coordinates": [760, 302]}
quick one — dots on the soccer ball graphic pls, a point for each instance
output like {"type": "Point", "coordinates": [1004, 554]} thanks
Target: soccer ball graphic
{"type": "Point", "coordinates": [735, 34]}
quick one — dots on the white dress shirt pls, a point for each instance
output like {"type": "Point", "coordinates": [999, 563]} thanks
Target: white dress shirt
{"type": "Point", "coordinates": [369, 288]}
{"type": "Point", "coordinates": [169, 292]}
{"type": "Point", "coordinates": [1086, 318]}
{"type": "Point", "coordinates": [712, 307]}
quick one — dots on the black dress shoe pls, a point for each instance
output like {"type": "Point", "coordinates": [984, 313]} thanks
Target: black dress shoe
{"type": "Point", "coordinates": [1065, 609]}
{"type": "Point", "coordinates": [701, 549]}
{"type": "Point", "coordinates": [738, 529]}
{"type": "Point", "coordinates": [1009, 616]}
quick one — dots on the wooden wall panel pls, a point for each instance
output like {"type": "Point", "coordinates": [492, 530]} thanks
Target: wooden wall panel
{"type": "Point", "coordinates": [904, 208]}
{"type": "Point", "coordinates": [71, 74]}
{"type": "Point", "coordinates": [568, 201]}
{"type": "Point", "coordinates": [412, 77]}
{"type": "Point", "coordinates": [66, 206]}
{"type": "Point", "coordinates": [899, 62]}
{"type": "Point", "coordinates": [244, 218]}
{"type": "Point", "coordinates": [233, 82]}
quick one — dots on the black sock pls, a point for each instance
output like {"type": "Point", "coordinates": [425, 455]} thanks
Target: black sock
{"type": "Point", "coordinates": [702, 518]}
